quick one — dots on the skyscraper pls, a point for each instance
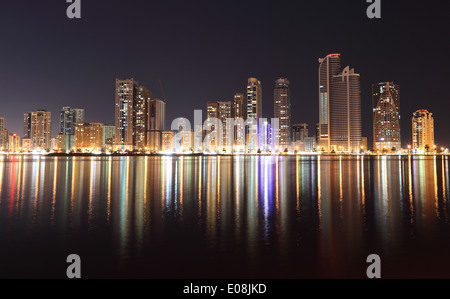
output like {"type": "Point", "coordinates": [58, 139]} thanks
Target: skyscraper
{"type": "Point", "coordinates": [38, 128]}
{"type": "Point", "coordinates": [3, 137]}
{"type": "Point", "coordinates": [300, 132]}
{"type": "Point", "coordinates": [140, 118]}
{"type": "Point", "coordinates": [156, 124]}
{"type": "Point", "coordinates": [225, 113]}
{"type": "Point", "coordinates": [345, 112]}
{"type": "Point", "coordinates": [68, 117]}
{"type": "Point", "coordinates": [254, 111]}
{"type": "Point", "coordinates": [282, 109]}
{"type": "Point", "coordinates": [88, 137]}
{"type": "Point", "coordinates": [339, 105]}
{"type": "Point", "coordinates": [328, 67]}
{"type": "Point", "coordinates": [386, 116]}
{"type": "Point", "coordinates": [423, 130]}
{"type": "Point", "coordinates": [131, 115]}
{"type": "Point", "coordinates": [239, 112]}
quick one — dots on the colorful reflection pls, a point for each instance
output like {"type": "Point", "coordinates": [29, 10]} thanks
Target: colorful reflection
{"type": "Point", "coordinates": [285, 217]}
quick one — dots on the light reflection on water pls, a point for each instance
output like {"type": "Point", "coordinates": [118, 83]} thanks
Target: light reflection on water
{"type": "Point", "coordinates": [262, 217]}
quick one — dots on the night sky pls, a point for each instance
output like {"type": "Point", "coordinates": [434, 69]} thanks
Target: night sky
{"type": "Point", "coordinates": [205, 51]}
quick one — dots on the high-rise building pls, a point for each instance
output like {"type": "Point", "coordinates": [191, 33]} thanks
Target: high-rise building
{"type": "Point", "coordinates": [131, 115]}
{"type": "Point", "coordinates": [386, 116]}
{"type": "Point", "coordinates": [108, 136]}
{"type": "Point", "coordinates": [38, 128]}
{"type": "Point", "coordinates": [68, 117]}
{"type": "Point", "coordinates": [328, 67]}
{"type": "Point", "coordinates": [14, 143]}
{"type": "Point", "coordinates": [300, 132]}
{"type": "Point", "coordinates": [345, 112]}
{"type": "Point", "coordinates": [254, 112]}
{"type": "Point", "coordinates": [239, 113]}
{"type": "Point", "coordinates": [140, 118]}
{"type": "Point", "coordinates": [339, 105]}
{"type": "Point", "coordinates": [212, 113]}
{"type": "Point", "coordinates": [3, 137]}
{"type": "Point", "coordinates": [88, 137]}
{"type": "Point", "coordinates": [156, 124]}
{"type": "Point", "coordinates": [167, 144]}
{"type": "Point", "coordinates": [282, 109]}
{"type": "Point", "coordinates": [225, 113]}
{"type": "Point", "coordinates": [423, 130]}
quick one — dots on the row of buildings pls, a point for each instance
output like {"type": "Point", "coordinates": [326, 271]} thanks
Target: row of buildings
{"type": "Point", "coordinates": [140, 122]}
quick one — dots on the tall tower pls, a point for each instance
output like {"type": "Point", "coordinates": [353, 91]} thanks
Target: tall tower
{"type": "Point", "coordinates": [423, 130]}
{"type": "Point", "coordinates": [328, 67]}
{"type": "Point", "coordinates": [254, 111]}
{"type": "Point", "coordinates": [38, 128]}
{"type": "Point", "coordinates": [239, 112]}
{"type": "Point", "coordinates": [386, 116]}
{"type": "Point", "coordinates": [282, 109]}
{"type": "Point", "coordinates": [225, 112]}
{"type": "Point", "coordinates": [131, 115]}
{"type": "Point", "coordinates": [69, 117]}
{"type": "Point", "coordinates": [345, 112]}
{"type": "Point", "coordinates": [156, 124]}
{"type": "Point", "coordinates": [3, 136]}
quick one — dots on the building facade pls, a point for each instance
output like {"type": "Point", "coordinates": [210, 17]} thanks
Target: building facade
{"type": "Point", "coordinates": [68, 117]}
{"type": "Point", "coordinates": [88, 137]}
{"type": "Point", "coordinates": [282, 109]}
{"type": "Point", "coordinates": [386, 116]}
{"type": "Point", "coordinates": [254, 112]}
{"type": "Point", "coordinates": [14, 144]}
{"type": "Point", "coordinates": [131, 115]}
{"type": "Point", "coordinates": [156, 124]}
{"type": "Point", "coordinates": [423, 130]}
{"type": "Point", "coordinates": [3, 137]}
{"type": "Point", "coordinates": [300, 132]}
{"type": "Point", "coordinates": [345, 112]}
{"type": "Point", "coordinates": [328, 67]}
{"type": "Point", "coordinates": [38, 128]}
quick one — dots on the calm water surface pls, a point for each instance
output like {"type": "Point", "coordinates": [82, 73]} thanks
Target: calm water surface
{"type": "Point", "coordinates": [224, 217]}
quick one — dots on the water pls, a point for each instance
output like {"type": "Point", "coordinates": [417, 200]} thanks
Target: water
{"type": "Point", "coordinates": [224, 217]}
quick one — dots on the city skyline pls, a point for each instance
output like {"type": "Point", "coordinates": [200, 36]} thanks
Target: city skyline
{"type": "Point", "coordinates": [81, 76]}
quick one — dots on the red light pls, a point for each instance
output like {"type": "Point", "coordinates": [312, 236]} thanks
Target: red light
{"type": "Point", "coordinates": [15, 135]}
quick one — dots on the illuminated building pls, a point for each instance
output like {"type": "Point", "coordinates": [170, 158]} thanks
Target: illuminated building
{"type": "Point", "coordinates": [212, 114]}
{"type": "Point", "coordinates": [254, 112]}
{"type": "Point", "coordinates": [187, 141]}
{"type": "Point", "coordinates": [131, 115]}
{"type": "Point", "coordinates": [156, 124]}
{"type": "Point", "coordinates": [225, 113]}
{"type": "Point", "coordinates": [88, 137]}
{"type": "Point", "coordinates": [239, 112]}
{"type": "Point", "coordinates": [328, 67]}
{"type": "Point", "coordinates": [300, 132]}
{"type": "Point", "coordinates": [339, 106]}
{"type": "Point", "coordinates": [38, 128]}
{"type": "Point", "coordinates": [167, 144]}
{"type": "Point", "coordinates": [345, 112]}
{"type": "Point", "coordinates": [282, 108]}
{"type": "Point", "coordinates": [386, 116]}
{"type": "Point", "coordinates": [68, 117]}
{"type": "Point", "coordinates": [364, 144]}
{"type": "Point", "coordinates": [108, 136]}
{"type": "Point", "coordinates": [423, 130]}
{"type": "Point", "coordinates": [14, 143]}
{"type": "Point", "coordinates": [3, 135]}
{"type": "Point", "coordinates": [26, 145]}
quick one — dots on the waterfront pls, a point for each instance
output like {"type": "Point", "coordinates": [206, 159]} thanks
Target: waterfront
{"type": "Point", "coordinates": [224, 217]}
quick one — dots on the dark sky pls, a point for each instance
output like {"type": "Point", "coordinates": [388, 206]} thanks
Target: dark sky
{"type": "Point", "coordinates": [205, 51]}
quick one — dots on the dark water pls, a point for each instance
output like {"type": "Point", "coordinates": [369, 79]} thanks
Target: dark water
{"type": "Point", "coordinates": [224, 217]}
